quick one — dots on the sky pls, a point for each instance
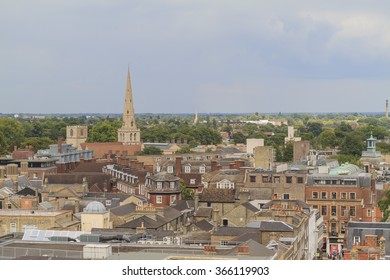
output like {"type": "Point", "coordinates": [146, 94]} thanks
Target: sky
{"type": "Point", "coordinates": [72, 56]}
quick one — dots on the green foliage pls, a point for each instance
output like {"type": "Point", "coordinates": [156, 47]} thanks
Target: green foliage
{"type": "Point", "coordinates": [383, 147]}
{"type": "Point", "coordinates": [353, 144]}
{"type": "Point", "coordinates": [105, 131]}
{"type": "Point", "coordinates": [38, 143]}
{"type": "Point", "coordinates": [239, 138]}
{"type": "Point", "coordinates": [186, 193]}
{"type": "Point", "coordinates": [384, 204]}
{"type": "Point", "coordinates": [327, 138]}
{"type": "Point", "coordinates": [11, 134]}
{"type": "Point", "coordinates": [151, 151]}
{"type": "Point", "coordinates": [184, 150]}
{"type": "Point", "coordinates": [343, 158]}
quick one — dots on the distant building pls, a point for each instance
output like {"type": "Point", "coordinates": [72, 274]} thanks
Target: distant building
{"type": "Point", "coordinates": [129, 136]}
{"type": "Point", "coordinates": [371, 156]}
{"type": "Point", "coordinates": [76, 135]}
{"type": "Point", "coordinates": [251, 144]}
{"type": "Point", "coordinates": [290, 136]}
{"type": "Point", "coordinates": [264, 157]}
{"type": "Point", "coordinates": [301, 150]}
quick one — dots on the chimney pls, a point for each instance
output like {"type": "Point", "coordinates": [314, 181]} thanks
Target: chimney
{"type": "Point", "coordinates": [59, 145]}
{"type": "Point", "coordinates": [15, 148]}
{"type": "Point", "coordinates": [240, 163]}
{"type": "Point", "coordinates": [214, 165]}
{"type": "Point", "coordinates": [382, 246]}
{"type": "Point", "coordinates": [178, 166]}
{"type": "Point", "coordinates": [77, 206]}
{"type": "Point", "coordinates": [232, 165]}
{"type": "Point", "coordinates": [215, 218]}
{"type": "Point", "coordinates": [371, 241]}
{"type": "Point", "coordinates": [196, 201]}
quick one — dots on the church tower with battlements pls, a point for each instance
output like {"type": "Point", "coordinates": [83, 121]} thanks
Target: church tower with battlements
{"type": "Point", "coordinates": [129, 134]}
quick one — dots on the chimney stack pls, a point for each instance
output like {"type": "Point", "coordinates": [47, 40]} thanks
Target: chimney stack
{"type": "Point", "coordinates": [178, 166]}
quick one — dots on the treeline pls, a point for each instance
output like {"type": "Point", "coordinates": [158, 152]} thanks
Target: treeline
{"type": "Point", "coordinates": [347, 133]}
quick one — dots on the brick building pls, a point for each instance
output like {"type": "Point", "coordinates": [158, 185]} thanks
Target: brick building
{"type": "Point", "coordinates": [341, 195]}
{"type": "Point", "coordinates": [163, 189]}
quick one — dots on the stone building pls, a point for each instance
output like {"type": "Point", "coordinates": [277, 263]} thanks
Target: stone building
{"type": "Point", "coordinates": [76, 135]}
{"type": "Point", "coordinates": [20, 220]}
{"type": "Point", "coordinates": [95, 215]}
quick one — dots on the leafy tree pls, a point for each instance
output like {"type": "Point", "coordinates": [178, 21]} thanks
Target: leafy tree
{"type": "Point", "coordinates": [105, 131]}
{"type": "Point", "coordinates": [353, 144]}
{"type": "Point", "coordinates": [384, 204]}
{"type": "Point", "coordinates": [38, 143]}
{"type": "Point", "coordinates": [315, 128]}
{"type": "Point", "coordinates": [12, 134]}
{"type": "Point", "coordinates": [239, 137]}
{"type": "Point", "coordinates": [184, 150]}
{"type": "Point", "coordinates": [327, 138]}
{"type": "Point", "coordinates": [186, 193]}
{"type": "Point", "coordinates": [151, 151]}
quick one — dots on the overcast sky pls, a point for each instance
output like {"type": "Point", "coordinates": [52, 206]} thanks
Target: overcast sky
{"type": "Point", "coordinates": [71, 56]}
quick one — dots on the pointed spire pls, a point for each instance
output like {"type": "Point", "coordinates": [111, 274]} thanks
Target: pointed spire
{"type": "Point", "coordinates": [128, 133]}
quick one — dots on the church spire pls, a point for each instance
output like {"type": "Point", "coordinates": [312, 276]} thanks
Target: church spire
{"type": "Point", "coordinates": [128, 134]}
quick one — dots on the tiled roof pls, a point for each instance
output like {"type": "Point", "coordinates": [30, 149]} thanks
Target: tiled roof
{"type": "Point", "coordinates": [274, 226]}
{"type": "Point", "coordinates": [218, 195]}
{"type": "Point", "coordinates": [204, 212]}
{"type": "Point", "coordinates": [234, 231]}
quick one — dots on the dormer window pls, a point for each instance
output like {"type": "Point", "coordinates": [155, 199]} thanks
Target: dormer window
{"type": "Point", "coordinates": [172, 185]}
{"type": "Point", "coordinates": [159, 185]}
{"type": "Point", "coordinates": [187, 169]}
{"type": "Point", "coordinates": [202, 169]}
{"type": "Point", "coordinates": [170, 169]}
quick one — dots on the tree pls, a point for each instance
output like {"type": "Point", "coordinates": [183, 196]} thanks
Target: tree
{"type": "Point", "coordinates": [327, 138]}
{"type": "Point", "coordinates": [315, 128]}
{"type": "Point", "coordinates": [151, 151]}
{"type": "Point", "coordinates": [105, 131]}
{"type": "Point", "coordinates": [38, 143]}
{"type": "Point", "coordinates": [239, 137]}
{"type": "Point", "coordinates": [353, 144]}
{"type": "Point", "coordinates": [384, 204]}
{"type": "Point", "coordinates": [186, 193]}
{"type": "Point", "coordinates": [184, 150]}
{"type": "Point", "coordinates": [12, 134]}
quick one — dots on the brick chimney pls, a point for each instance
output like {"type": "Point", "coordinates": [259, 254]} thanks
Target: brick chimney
{"type": "Point", "coordinates": [232, 165]}
{"type": "Point", "coordinates": [178, 166]}
{"type": "Point", "coordinates": [371, 241]}
{"type": "Point", "coordinates": [59, 145]}
{"type": "Point", "coordinates": [214, 165]}
{"type": "Point", "coordinates": [239, 164]}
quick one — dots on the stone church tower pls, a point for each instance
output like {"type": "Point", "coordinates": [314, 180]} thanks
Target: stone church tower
{"type": "Point", "coordinates": [129, 134]}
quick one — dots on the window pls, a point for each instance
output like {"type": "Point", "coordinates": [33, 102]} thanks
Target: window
{"type": "Point", "coordinates": [352, 195]}
{"type": "Point", "coordinates": [9, 206]}
{"type": "Point", "coordinates": [202, 169]}
{"type": "Point", "coordinates": [173, 198]}
{"type": "Point", "coordinates": [334, 195]}
{"type": "Point", "coordinates": [192, 181]}
{"type": "Point", "coordinates": [334, 210]}
{"type": "Point", "coordinates": [288, 179]}
{"type": "Point", "coordinates": [187, 169]}
{"type": "Point", "coordinates": [172, 185]}
{"type": "Point", "coordinates": [324, 210]}
{"type": "Point", "coordinates": [315, 195]}
{"type": "Point", "coordinates": [252, 179]}
{"type": "Point", "coordinates": [158, 168]}
{"type": "Point", "coordinates": [265, 179]}
{"type": "Point", "coordinates": [159, 185]}
{"type": "Point", "coordinates": [108, 202]}
{"type": "Point", "coordinates": [170, 169]}
{"type": "Point", "coordinates": [12, 227]}
{"type": "Point", "coordinates": [323, 195]}
{"type": "Point", "coordinates": [343, 210]}
{"type": "Point", "coordinates": [356, 239]}
{"type": "Point", "coordinates": [286, 196]}
{"type": "Point", "coordinates": [343, 195]}
{"type": "Point", "coordinates": [277, 179]}
{"type": "Point", "coordinates": [342, 228]}
{"type": "Point", "coordinates": [224, 242]}
{"type": "Point", "coordinates": [159, 199]}
{"type": "Point", "coordinates": [315, 206]}
{"type": "Point", "coordinates": [300, 180]}
{"type": "Point", "coordinates": [352, 211]}
{"type": "Point", "coordinates": [368, 212]}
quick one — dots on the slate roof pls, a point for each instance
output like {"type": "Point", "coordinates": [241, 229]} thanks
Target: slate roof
{"type": "Point", "coordinates": [234, 231]}
{"type": "Point", "coordinates": [182, 205]}
{"type": "Point", "coordinates": [171, 213]}
{"type": "Point", "coordinates": [89, 167]}
{"type": "Point", "coordinates": [124, 209]}
{"type": "Point", "coordinates": [204, 212]}
{"type": "Point", "coordinates": [246, 236]}
{"type": "Point", "coordinates": [164, 176]}
{"type": "Point", "coordinates": [102, 180]}
{"type": "Point", "coordinates": [259, 250]}
{"type": "Point", "coordinates": [250, 207]}
{"type": "Point", "coordinates": [204, 225]}
{"type": "Point", "coordinates": [149, 223]}
{"type": "Point", "coordinates": [274, 226]}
